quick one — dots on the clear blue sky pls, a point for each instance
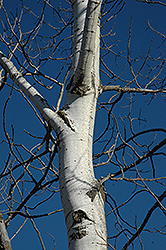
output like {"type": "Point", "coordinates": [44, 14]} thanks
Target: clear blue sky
{"type": "Point", "coordinates": [20, 115]}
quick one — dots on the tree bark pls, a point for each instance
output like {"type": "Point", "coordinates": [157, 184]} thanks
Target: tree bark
{"type": "Point", "coordinates": [4, 238]}
{"type": "Point", "coordinates": [82, 194]}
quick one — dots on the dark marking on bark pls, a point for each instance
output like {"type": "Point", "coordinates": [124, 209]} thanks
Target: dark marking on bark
{"type": "Point", "coordinates": [80, 90]}
{"type": "Point", "coordinates": [64, 117]}
{"type": "Point", "coordinates": [43, 100]}
{"type": "Point", "coordinates": [98, 187]}
{"type": "Point", "coordinates": [15, 76]}
{"type": "Point", "coordinates": [77, 86]}
{"type": "Point", "coordinates": [2, 84]}
{"type": "Point", "coordinates": [92, 193]}
{"type": "Point", "coordinates": [79, 234]}
{"type": "Point", "coordinates": [79, 215]}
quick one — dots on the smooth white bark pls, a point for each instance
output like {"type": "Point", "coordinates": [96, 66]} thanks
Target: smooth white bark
{"type": "Point", "coordinates": [81, 193]}
{"type": "Point", "coordinates": [79, 8]}
{"type": "Point", "coordinates": [90, 37]}
{"type": "Point", "coordinates": [4, 238]}
{"type": "Point", "coordinates": [85, 68]}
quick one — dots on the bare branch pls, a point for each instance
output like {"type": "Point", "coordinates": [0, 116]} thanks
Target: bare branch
{"type": "Point", "coordinates": [30, 91]}
{"type": "Point", "coordinates": [144, 91]}
{"type": "Point", "coordinates": [140, 229]}
{"type": "Point", "coordinates": [145, 156]}
{"type": "Point", "coordinates": [151, 2]}
{"type": "Point", "coordinates": [156, 31]}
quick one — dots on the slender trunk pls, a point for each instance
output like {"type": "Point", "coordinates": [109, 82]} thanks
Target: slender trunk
{"type": "Point", "coordinates": [81, 193]}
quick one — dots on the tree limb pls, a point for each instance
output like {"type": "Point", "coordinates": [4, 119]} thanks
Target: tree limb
{"type": "Point", "coordinates": [140, 229]}
{"type": "Point", "coordinates": [151, 2]}
{"type": "Point", "coordinates": [41, 104]}
{"type": "Point", "coordinates": [132, 90]}
{"type": "Point", "coordinates": [145, 156]}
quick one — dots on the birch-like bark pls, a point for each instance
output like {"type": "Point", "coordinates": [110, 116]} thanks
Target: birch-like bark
{"type": "Point", "coordinates": [85, 68]}
{"type": "Point", "coordinates": [37, 99]}
{"type": "Point", "coordinates": [4, 238]}
{"type": "Point", "coordinates": [79, 9]}
{"type": "Point", "coordinates": [82, 195]}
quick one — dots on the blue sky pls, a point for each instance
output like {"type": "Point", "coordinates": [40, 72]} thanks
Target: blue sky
{"type": "Point", "coordinates": [20, 115]}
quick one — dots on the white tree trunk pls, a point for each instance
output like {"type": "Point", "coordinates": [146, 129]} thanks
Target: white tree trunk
{"type": "Point", "coordinates": [81, 194]}
{"type": "Point", "coordinates": [4, 238]}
